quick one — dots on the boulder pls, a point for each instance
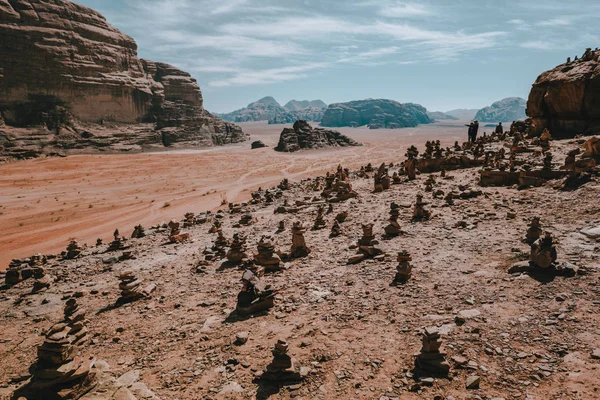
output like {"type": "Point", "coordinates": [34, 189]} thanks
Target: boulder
{"type": "Point", "coordinates": [258, 145]}
{"type": "Point", "coordinates": [304, 136]}
{"type": "Point", "coordinates": [566, 99]}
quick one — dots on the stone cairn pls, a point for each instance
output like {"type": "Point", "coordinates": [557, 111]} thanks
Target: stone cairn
{"type": "Point", "coordinates": [266, 255]}
{"type": "Point", "coordinates": [281, 226]}
{"type": "Point", "coordinates": [221, 243]}
{"type": "Point", "coordinates": [543, 252]}
{"type": "Point", "coordinates": [283, 367]}
{"type": "Point", "coordinates": [404, 269]}
{"type": "Point", "coordinates": [237, 253]}
{"type": "Point", "coordinates": [130, 287]}
{"type": "Point", "coordinates": [547, 161]}
{"type": "Point", "coordinates": [393, 229]}
{"type": "Point", "coordinates": [366, 246]}
{"type": "Point", "coordinates": [431, 360]}
{"type": "Point", "coordinates": [138, 232]}
{"type": "Point", "coordinates": [246, 220]}
{"type": "Point", "coordinates": [382, 179]}
{"type": "Point", "coordinates": [58, 370]}
{"type": "Point", "coordinates": [319, 220]}
{"type": "Point", "coordinates": [336, 229]}
{"type": "Point", "coordinates": [73, 250]}
{"type": "Point", "coordinates": [20, 270]}
{"type": "Point", "coordinates": [216, 227]}
{"type": "Point", "coordinates": [429, 183]}
{"type": "Point", "coordinates": [42, 281]}
{"type": "Point", "coordinates": [342, 217]}
{"type": "Point", "coordinates": [99, 242]}
{"type": "Point", "coordinates": [175, 235]}
{"type": "Point", "coordinates": [254, 296]}
{"type": "Point", "coordinates": [420, 213]}
{"type": "Point", "coordinates": [534, 232]}
{"type": "Point", "coordinates": [299, 247]}
{"type": "Point", "coordinates": [410, 165]}
{"type": "Point", "coordinates": [119, 243]}
{"type": "Point", "coordinates": [449, 199]}
{"type": "Point", "coordinates": [190, 220]}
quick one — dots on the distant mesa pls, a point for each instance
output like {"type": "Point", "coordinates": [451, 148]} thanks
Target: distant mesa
{"type": "Point", "coordinates": [304, 136]}
{"type": "Point", "coordinates": [268, 109]}
{"type": "Point", "coordinates": [566, 99]}
{"type": "Point", "coordinates": [440, 116]}
{"type": "Point", "coordinates": [375, 113]}
{"type": "Point", "coordinates": [463, 113]}
{"type": "Point", "coordinates": [505, 110]}
{"type": "Point", "coordinates": [63, 65]}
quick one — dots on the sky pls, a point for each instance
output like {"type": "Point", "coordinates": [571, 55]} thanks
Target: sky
{"type": "Point", "coordinates": [443, 54]}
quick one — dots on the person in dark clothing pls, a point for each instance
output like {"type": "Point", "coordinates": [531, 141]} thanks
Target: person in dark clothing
{"type": "Point", "coordinates": [475, 130]}
{"type": "Point", "coordinates": [470, 131]}
{"type": "Point", "coordinates": [499, 129]}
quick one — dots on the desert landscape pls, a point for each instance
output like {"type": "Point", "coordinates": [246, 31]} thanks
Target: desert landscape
{"type": "Point", "coordinates": [46, 202]}
{"type": "Point", "coordinates": [366, 249]}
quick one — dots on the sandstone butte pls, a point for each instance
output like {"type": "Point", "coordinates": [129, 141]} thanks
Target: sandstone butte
{"type": "Point", "coordinates": [566, 99]}
{"type": "Point", "coordinates": [63, 67]}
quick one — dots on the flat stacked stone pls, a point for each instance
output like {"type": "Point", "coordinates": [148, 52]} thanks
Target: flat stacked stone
{"type": "Point", "coordinates": [366, 246]}
{"type": "Point", "coordinates": [393, 229]}
{"type": "Point", "coordinates": [119, 243]}
{"type": "Point", "coordinates": [319, 220]}
{"type": "Point", "coordinates": [22, 269]}
{"type": "Point", "coordinates": [190, 220]}
{"type": "Point", "coordinates": [420, 213]}
{"type": "Point", "coordinates": [404, 269]}
{"type": "Point", "coordinates": [58, 370]}
{"type": "Point", "coordinates": [266, 255]}
{"type": "Point", "coordinates": [431, 360]}
{"type": "Point", "coordinates": [299, 247]}
{"type": "Point", "coordinates": [42, 281]}
{"type": "Point", "coordinates": [543, 252]}
{"type": "Point", "coordinates": [246, 220]}
{"type": "Point", "coordinates": [283, 367]}
{"type": "Point", "coordinates": [336, 230]}
{"type": "Point", "coordinates": [130, 286]}
{"type": "Point", "coordinates": [534, 232]}
{"type": "Point", "coordinates": [73, 250]}
{"type": "Point", "coordinates": [237, 253]}
{"type": "Point", "coordinates": [138, 232]}
{"type": "Point", "coordinates": [175, 235]}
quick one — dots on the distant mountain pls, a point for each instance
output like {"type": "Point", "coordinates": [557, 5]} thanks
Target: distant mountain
{"type": "Point", "coordinates": [506, 110]}
{"type": "Point", "coordinates": [261, 110]}
{"type": "Point", "coordinates": [375, 113]}
{"type": "Point", "coordinates": [463, 113]}
{"type": "Point", "coordinates": [440, 116]}
{"type": "Point", "coordinates": [268, 109]}
{"type": "Point", "coordinates": [297, 105]}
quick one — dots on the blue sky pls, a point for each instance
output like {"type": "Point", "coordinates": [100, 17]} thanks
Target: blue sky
{"type": "Point", "coordinates": [442, 54]}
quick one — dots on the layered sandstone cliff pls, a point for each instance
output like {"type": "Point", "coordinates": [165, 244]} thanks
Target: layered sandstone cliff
{"type": "Point", "coordinates": [58, 54]}
{"type": "Point", "coordinates": [566, 99]}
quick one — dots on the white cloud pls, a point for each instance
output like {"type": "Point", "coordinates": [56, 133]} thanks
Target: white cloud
{"type": "Point", "coordinates": [266, 76]}
{"type": "Point", "coordinates": [561, 21]}
{"type": "Point", "coordinates": [405, 10]}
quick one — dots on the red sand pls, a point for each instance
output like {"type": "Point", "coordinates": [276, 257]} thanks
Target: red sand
{"type": "Point", "coordinates": [46, 202]}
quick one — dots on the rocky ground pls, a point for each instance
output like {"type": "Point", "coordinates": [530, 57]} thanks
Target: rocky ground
{"type": "Point", "coordinates": [523, 338]}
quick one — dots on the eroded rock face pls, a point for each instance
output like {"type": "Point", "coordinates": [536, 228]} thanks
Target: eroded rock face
{"type": "Point", "coordinates": [376, 113]}
{"type": "Point", "coordinates": [566, 99]}
{"type": "Point", "coordinates": [304, 136]}
{"type": "Point", "coordinates": [62, 60]}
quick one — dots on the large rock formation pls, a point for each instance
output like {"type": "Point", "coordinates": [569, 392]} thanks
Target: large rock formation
{"type": "Point", "coordinates": [509, 109]}
{"type": "Point", "coordinates": [566, 99]}
{"type": "Point", "coordinates": [268, 109]}
{"type": "Point", "coordinates": [375, 113]}
{"type": "Point", "coordinates": [63, 61]}
{"type": "Point", "coordinates": [304, 136]}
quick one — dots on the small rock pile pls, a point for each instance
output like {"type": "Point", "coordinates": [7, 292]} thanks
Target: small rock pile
{"type": "Point", "coordinates": [420, 213]}
{"type": "Point", "coordinates": [176, 236]}
{"type": "Point", "coordinates": [404, 269]}
{"type": "Point", "coordinates": [366, 246]}
{"type": "Point", "coordinates": [237, 253]}
{"type": "Point", "coordinates": [266, 255]}
{"type": "Point", "coordinates": [73, 250]}
{"type": "Point", "coordinates": [299, 247]}
{"type": "Point", "coordinates": [138, 232]}
{"type": "Point", "coordinates": [283, 367]}
{"type": "Point", "coordinates": [130, 286]}
{"type": "Point", "coordinates": [119, 243]}
{"type": "Point", "coordinates": [431, 360]}
{"type": "Point", "coordinates": [393, 229]}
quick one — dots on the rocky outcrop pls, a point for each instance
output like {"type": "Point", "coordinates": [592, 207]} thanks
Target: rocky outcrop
{"type": "Point", "coordinates": [505, 110]}
{"type": "Point", "coordinates": [566, 99]}
{"type": "Point", "coordinates": [304, 136]}
{"type": "Point", "coordinates": [375, 113]}
{"type": "Point", "coordinates": [268, 109]}
{"type": "Point", "coordinates": [62, 63]}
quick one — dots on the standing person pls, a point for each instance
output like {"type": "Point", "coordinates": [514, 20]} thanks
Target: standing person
{"type": "Point", "coordinates": [470, 131]}
{"type": "Point", "coordinates": [475, 130]}
{"type": "Point", "coordinates": [499, 129]}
